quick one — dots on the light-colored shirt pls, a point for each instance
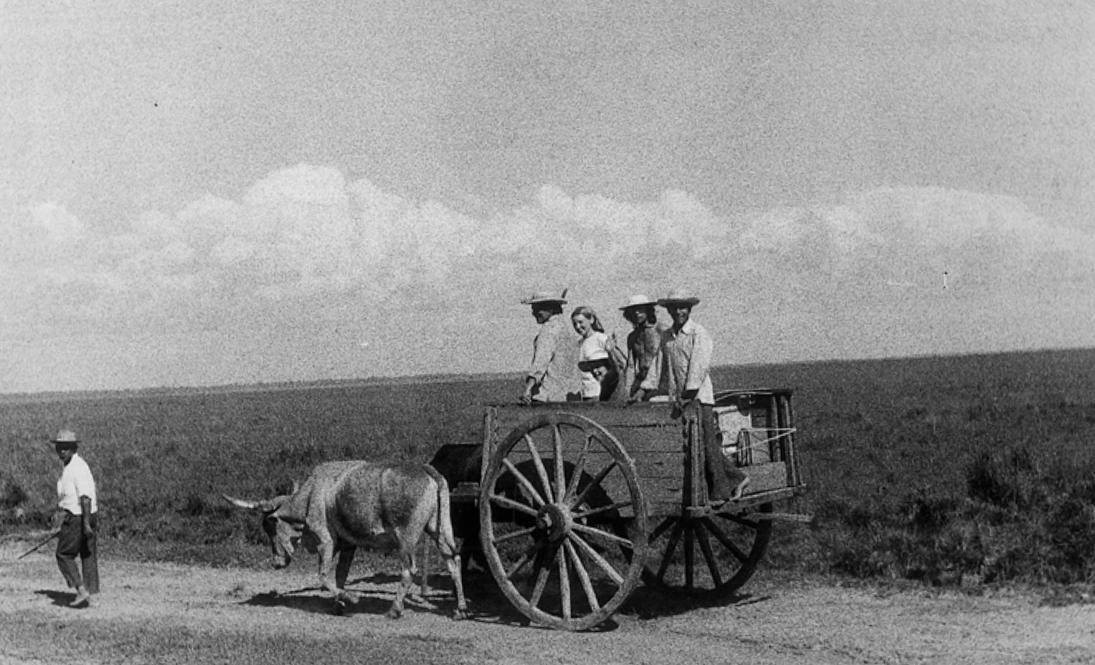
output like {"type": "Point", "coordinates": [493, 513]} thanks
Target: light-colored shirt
{"type": "Point", "coordinates": [554, 362]}
{"type": "Point", "coordinates": [75, 482]}
{"type": "Point", "coordinates": [686, 356]}
{"type": "Point", "coordinates": [593, 346]}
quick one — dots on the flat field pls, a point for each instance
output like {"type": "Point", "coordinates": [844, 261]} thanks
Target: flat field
{"type": "Point", "coordinates": [944, 469]}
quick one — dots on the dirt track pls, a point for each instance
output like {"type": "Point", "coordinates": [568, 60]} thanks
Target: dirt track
{"type": "Point", "coordinates": [179, 614]}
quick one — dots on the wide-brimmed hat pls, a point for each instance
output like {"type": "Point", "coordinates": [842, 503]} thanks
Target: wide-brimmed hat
{"type": "Point", "coordinates": [545, 298]}
{"type": "Point", "coordinates": [65, 436]}
{"type": "Point", "coordinates": [638, 300]}
{"type": "Point", "coordinates": [678, 296]}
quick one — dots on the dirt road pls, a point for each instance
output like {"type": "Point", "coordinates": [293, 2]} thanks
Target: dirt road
{"type": "Point", "coordinates": [151, 613]}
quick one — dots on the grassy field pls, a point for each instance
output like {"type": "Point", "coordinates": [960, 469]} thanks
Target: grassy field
{"type": "Point", "coordinates": [947, 470]}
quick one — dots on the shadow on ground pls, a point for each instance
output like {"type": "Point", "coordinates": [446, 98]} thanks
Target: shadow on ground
{"type": "Point", "coordinates": [59, 598]}
{"type": "Point", "coordinates": [374, 594]}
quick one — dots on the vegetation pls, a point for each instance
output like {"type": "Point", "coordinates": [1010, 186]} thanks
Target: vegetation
{"type": "Point", "coordinates": [954, 470]}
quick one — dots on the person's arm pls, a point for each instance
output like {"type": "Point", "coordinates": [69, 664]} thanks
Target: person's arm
{"type": "Point", "coordinates": [652, 379]}
{"type": "Point", "coordinates": [699, 364]}
{"type": "Point", "coordinates": [543, 350]}
{"type": "Point", "coordinates": [85, 515]}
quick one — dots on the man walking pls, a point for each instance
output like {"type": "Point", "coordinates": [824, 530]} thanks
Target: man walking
{"type": "Point", "coordinates": [77, 510]}
{"type": "Point", "coordinates": [686, 351]}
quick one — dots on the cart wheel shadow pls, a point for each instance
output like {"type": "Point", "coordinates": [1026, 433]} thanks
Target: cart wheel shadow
{"type": "Point", "coordinates": [648, 602]}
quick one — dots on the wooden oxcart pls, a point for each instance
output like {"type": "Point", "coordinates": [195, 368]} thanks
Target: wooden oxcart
{"type": "Point", "coordinates": [578, 502]}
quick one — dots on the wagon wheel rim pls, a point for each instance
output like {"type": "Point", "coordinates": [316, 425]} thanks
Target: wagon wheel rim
{"type": "Point", "coordinates": [559, 561]}
{"type": "Point", "coordinates": [706, 557]}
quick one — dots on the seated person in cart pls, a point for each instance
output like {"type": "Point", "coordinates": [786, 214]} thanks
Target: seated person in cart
{"type": "Point", "coordinates": [685, 354]}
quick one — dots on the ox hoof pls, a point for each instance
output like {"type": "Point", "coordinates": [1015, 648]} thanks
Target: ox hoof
{"type": "Point", "coordinates": [340, 606]}
{"type": "Point", "coordinates": [395, 613]}
{"type": "Point", "coordinates": [459, 615]}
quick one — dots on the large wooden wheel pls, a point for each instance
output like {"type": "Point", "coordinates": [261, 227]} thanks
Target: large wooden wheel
{"type": "Point", "coordinates": [707, 557]}
{"type": "Point", "coordinates": [563, 521]}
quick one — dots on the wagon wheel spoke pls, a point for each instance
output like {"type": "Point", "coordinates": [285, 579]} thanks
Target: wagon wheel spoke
{"type": "Point", "coordinates": [515, 505]}
{"type": "Point", "coordinates": [708, 555]}
{"type": "Point", "coordinates": [603, 535]}
{"type": "Point", "coordinates": [542, 574]}
{"type": "Point", "coordinates": [596, 482]}
{"type": "Point", "coordinates": [730, 548]}
{"type": "Point", "coordinates": [576, 473]}
{"type": "Point", "coordinates": [598, 559]}
{"type": "Point", "coordinates": [602, 509]}
{"type": "Point", "coordinates": [583, 575]}
{"type": "Point", "coordinates": [525, 483]}
{"type": "Point", "coordinates": [540, 470]}
{"type": "Point", "coordinates": [660, 530]}
{"type": "Point", "coordinates": [689, 564]}
{"type": "Point", "coordinates": [519, 565]}
{"type": "Point", "coordinates": [560, 472]}
{"type": "Point", "coordinates": [514, 534]}
{"type": "Point", "coordinates": [725, 540]}
{"type": "Point", "coordinates": [564, 583]}
{"type": "Point", "coordinates": [670, 548]}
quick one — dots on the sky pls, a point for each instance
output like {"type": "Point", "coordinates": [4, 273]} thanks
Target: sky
{"type": "Point", "coordinates": [201, 193]}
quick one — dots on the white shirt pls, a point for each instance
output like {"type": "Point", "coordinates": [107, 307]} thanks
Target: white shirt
{"type": "Point", "coordinates": [592, 347]}
{"type": "Point", "coordinates": [687, 354]}
{"type": "Point", "coordinates": [76, 481]}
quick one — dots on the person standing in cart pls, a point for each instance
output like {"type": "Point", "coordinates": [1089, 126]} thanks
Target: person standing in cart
{"type": "Point", "coordinates": [552, 376]}
{"type": "Point", "coordinates": [643, 343]}
{"type": "Point", "coordinates": [78, 509]}
{"type": "Point", "coordinates": [598, 358]}
{"type": "Point", "coordinates": [685, 354]}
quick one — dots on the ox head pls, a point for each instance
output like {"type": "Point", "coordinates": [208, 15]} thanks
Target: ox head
{"type": "Point", "coordinates": [284, 533]}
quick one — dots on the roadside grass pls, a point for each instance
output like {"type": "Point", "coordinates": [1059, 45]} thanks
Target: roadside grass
{"type": "Point", "coordinates": [949, 471]}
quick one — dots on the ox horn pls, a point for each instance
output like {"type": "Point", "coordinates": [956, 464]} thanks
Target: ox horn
{"type": "Point", "coordinates": [246, 505]}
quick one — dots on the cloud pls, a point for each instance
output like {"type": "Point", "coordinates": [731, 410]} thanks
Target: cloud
{"type": "Point", "coordinates": [305, 234]}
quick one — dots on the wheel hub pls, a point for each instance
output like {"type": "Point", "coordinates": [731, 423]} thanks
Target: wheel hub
{"type": "Point", "coordinates": [556, 520]}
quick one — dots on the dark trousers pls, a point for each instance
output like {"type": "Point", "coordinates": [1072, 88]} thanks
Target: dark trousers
{"type": "Point", "coordinates": [72, 543]}
{"type": "Point", "coordinates": [723, 475]}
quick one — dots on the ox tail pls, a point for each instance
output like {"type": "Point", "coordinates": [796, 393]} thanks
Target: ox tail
{"type": "Point", "coordinates": [446, 542]}
{"type": "Point", "coordinates": [442, 526]}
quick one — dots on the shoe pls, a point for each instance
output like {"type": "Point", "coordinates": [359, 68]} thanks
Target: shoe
{"type": "Point", "coordinates": [82, 599]}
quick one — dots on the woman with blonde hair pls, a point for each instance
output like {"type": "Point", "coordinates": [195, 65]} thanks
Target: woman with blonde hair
{"type": "Point", "coordinates": [597, 356]}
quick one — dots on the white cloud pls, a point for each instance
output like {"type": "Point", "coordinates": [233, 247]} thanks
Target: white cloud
{"type": "Point", "coordinates": [305, 234]}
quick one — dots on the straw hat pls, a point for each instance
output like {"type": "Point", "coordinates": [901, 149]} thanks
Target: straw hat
{"type": "Point", "coordinates": [545, 298]}
{"type": "Point", "coordinates": [65, 436]}
{"type": "Point", "coordinates": [637, 301]}
{"type": "Point", "coordinates": [678, 296]}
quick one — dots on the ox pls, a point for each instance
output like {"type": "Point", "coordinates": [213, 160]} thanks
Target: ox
{"type": "Point", "coordinates": [346, 505]}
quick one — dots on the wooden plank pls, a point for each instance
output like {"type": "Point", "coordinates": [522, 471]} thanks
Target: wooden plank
{"type": "Point", "coordinates": [763, 477]}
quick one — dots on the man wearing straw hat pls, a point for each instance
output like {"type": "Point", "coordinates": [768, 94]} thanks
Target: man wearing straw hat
{"type": "Point", "coordinates": [686, 350]}
{"type": "Point", "coordinates": [643, 342]}
{"type": "Point", "coordinates": [553, 373]}
{"type": "Point", "coordinates": [78, 508]}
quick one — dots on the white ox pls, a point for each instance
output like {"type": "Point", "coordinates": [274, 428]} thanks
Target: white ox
{"type": "Point", "coordinates": [346, 505]}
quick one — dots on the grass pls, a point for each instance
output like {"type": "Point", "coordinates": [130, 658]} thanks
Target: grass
{"type": "Point", "coordinates": [946, 470]}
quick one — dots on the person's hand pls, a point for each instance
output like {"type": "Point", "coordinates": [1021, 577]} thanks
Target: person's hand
{"type": "Point", "coordinates": [57, 520]}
